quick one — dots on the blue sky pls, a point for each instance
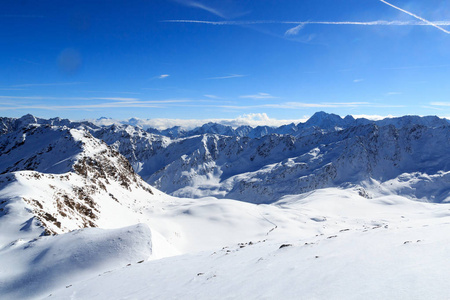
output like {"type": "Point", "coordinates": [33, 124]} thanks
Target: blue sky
{"type": "Point", "coordinates": [198, 59]}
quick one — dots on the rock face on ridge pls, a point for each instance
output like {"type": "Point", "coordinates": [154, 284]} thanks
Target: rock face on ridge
{"type": "Point", "coordinates": [263, 169]}
{"type": "Point", "coordinates": [82, 174]}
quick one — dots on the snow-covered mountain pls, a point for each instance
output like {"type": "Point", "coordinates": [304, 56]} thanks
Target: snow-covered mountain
{"type": "Point", "coordinates": [261, 170]}
{"type": "Point", "coordinates": [344, 205]}
{"type": "Point", "coordinates": [327, 150]}
{"type": "Point", "coordinates": [13, 124]}
{"type": "Point", "coordinates": [64, 177]}
{"type": "Point", "coordinates": [320, 121]}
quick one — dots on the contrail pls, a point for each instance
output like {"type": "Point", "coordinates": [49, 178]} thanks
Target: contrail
{"type": "Point", "coordinates": [416, 16]}
{"type": "Point", "coordinates": [362, 23]}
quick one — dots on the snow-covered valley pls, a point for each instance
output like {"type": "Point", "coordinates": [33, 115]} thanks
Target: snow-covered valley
{"type": "Point", "coordinates": [345, 209]}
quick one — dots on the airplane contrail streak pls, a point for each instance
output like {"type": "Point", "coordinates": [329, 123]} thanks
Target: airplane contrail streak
{"type": "Point", "coordinates": [416, 16]}
{"type": "Point", "coordinates": [362, 23]}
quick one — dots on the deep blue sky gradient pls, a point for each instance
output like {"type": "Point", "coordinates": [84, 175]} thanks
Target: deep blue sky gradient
{"type": "Point", "coordinates": [86, 59]}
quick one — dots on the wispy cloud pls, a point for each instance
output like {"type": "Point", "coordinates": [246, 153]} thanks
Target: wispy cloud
{"type": "Point", "coordinates": [416, 16]}
{"type": "Point", "coordinates": [46, 84]}
{"type": "Point", "coordinates": [438, 108]}
{"type": "Point", "coordinates": [68, 98]}
{"type": "Point", "coordinates": [440, 103]}
{"type": "Point", "coordinates": [297, 105]}
{"type": "Point", "coordinates": [393, 93]}
{"type": "Point", "coordinates": [303, 105]}
{"type": "Point", "coordinates": [220, 8]}
{"type": "Point", "coordinates": [417, 67]}
{"type": "Point", "coordinates": [358, 80]}
{"type": "Point", "coordinates": [258, 96]}
{"type": "Point", "coordinates": [113, 92]}
{"type": "Point", "coordinates": [204, 7]}
{"type": "Point", "coordinates": [361, 23]}
{"type": "Point", "coordinates": [116, 104]}
{"type": "Point", "coordinates": [162, 76]}
{"type": "Point", "coordinates": [294, 30]}
{"type": "Point", "coordinates": [212, 96]}
{"type": "Point", "coordinates": [228, 76]}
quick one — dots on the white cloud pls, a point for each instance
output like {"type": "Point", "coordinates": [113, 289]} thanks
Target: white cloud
{"type": "Point", "coordinates": [120, 99]}
{"type": "Point", "coordinates": [113, 92]}
{"type": "Point", "coordinates": [228, 76]}
{"type": "Point", "coordinates": [212, 96]}
{"type": "Point", "coordinates": [298, 105]}
{"type": "Point", "coordinates": [162, 76]}
{"type": "Point", "coordinates": [373, 117]}
{"type": "Point", "coordinates": [418, 67]}
{"type": "Point", "coordinates": [294, 30]}
{"type": "Point", "coordinates": [258, 96]}
{"type": "Point", "coordinates": [118, 103]}
{"type": "Point", "coordinates": [303, 105]}
{"type": "Point", "coordinates": [205, 8]}
{"type": "Point", "coordinates": [358, 80]}
{"type": "Point", "coordinates": [253, 120]}
{"type": "Point", "coordinates": [46, 84]}
{"type": "Point", "coordinates": [393, 93]}
{"type": "Point", "coordinates": [225, 9]}
{"type": "Point", "coordinates": [440, 103]}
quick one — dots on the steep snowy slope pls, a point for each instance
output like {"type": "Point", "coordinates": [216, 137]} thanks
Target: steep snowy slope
{"type": "Point", "coordinates": [135, 144]}
{"type": "Point", "coordinates": [355, 156]}
{"type": "Point", "coordinates": [264, 169]}
{"type": "Point", "coordinates": [69, 177]}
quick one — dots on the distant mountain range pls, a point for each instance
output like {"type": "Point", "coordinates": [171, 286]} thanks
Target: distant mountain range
{"type": "Point", "coordinates": [262, 164]}
{"type": "Point", "coordinates": [319, 121]}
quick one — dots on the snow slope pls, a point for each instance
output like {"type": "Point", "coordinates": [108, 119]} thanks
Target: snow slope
{"type": "Point", "coordinates": [347, 247]}
{"type": "Point", "coordinates": [33, 267]}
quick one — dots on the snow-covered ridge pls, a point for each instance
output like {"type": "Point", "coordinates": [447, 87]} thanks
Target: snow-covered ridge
{"type": "Point", "coordinates": [263, 169]}
{"type": "Point", "coordinates": [320, 121]}
{"type": "Point", "coordinates": [325, 151]}
{"type": "Point", "coordinates": [65, 177]}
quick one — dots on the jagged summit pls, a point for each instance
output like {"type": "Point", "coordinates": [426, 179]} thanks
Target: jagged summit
{"type": "Point", "coordinates": [325, 120]}
{"type": "Point", "coordinates": [13, 124]}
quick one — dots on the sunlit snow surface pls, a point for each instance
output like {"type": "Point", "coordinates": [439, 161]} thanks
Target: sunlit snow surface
{"type": "Point", "coordinates": [346, 214]}
{"type": "Point", "coordinates": [338, 245]}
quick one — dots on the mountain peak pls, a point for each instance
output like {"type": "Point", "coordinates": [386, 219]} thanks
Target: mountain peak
{"type": "Point", "coordinates": [324, 120]}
